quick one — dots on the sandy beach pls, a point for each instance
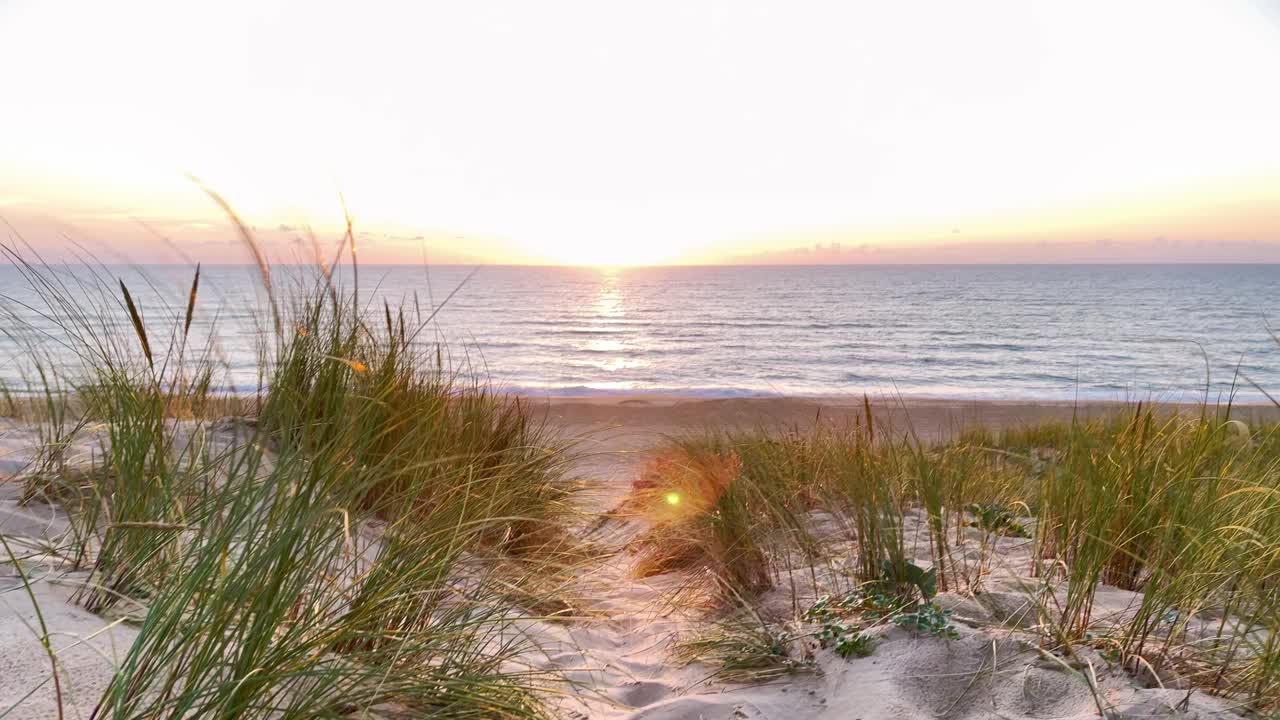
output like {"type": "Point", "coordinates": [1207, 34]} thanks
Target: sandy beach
{"type": "Point", "coordinates": [907, 678]}
{"type": "Point", "coordinates": [646, 361]}
{"type": "Point", "coordinates": [617, 652]}
{"type": "Point", "coordinates": [928, 417]}
{"type": "Point", "coordinates": [617, 430]}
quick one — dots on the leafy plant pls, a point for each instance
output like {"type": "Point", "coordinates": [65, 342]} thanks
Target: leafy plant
{"type": "Point", "coordinates": [826, 608]}
{"type": "Point", "coordinates": [854, 644]}
{"type": "Point", "coordinates": [838, 627]}
{"type": "Point", "coordinates": [928, 619]}
{"type": "Point", "coordinates": [906, 579]}
{"type": "Point", "coordinates": [996, 519]}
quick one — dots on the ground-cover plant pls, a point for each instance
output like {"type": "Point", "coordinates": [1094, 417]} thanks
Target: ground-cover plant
{"type": "Point", "coordinates": [745, 648]}
{"type": "Point", "coordinates": [847, 623]}
{"type": "Point", "coordinates": [928, 619]}
{"type": "Point", "coordinates": [996, 519]}
{"type": "Point", "coordinates": [837, 627]}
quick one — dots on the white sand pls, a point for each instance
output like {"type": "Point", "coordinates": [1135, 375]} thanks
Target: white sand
{"type": "Point", "coordinates": [623, 662]}
{"type": "Point", "coordinates": [619, 660]}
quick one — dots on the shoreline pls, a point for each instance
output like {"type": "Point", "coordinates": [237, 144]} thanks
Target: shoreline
{"type": "Point", "coordinates": [930, 418]}
{"type": "Point", "coordinates": [1169, 397]}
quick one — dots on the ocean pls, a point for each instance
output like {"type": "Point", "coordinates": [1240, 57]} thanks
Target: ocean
{"type": "Point", "coordinates": [1119, 332]}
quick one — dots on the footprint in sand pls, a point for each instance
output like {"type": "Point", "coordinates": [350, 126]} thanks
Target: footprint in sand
{"type": "Point", "coordinates": [640, 694]}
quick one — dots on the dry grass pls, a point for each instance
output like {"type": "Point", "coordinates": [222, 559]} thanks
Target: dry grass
{"type": "Point", "coordinates": [1183, 509]}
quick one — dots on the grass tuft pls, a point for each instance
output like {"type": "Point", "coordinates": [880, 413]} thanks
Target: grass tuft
{"type": "Point", "coordinates": [354, 544]}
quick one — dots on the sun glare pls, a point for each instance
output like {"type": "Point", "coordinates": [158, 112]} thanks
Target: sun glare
{"type": "Point", "coordinates": [602, 252]}
{"type": "Point", "coordinates": [443, 123]}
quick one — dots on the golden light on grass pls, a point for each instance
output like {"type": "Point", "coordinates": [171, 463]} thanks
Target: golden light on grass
{"type": "Point", "coordinates": [700, 514]}
{"type": "Point", "coordinates": [355, 365]}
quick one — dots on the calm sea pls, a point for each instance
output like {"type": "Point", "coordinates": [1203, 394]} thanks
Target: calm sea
{"type": "Point", "coordinates": [1115, 332]}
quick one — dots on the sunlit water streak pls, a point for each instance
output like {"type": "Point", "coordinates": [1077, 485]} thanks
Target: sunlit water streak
{"type": "Point", "coordinates": [957, 331]}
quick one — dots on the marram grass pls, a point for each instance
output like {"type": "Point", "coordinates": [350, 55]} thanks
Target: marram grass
{"type": "Point", "coordinates": [331, 559]}
{"type": "Point", "coordinates": [1182, 508]}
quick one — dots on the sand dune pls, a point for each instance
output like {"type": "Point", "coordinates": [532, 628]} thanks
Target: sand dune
{"type": "Point", "coordinates": [618, 656]}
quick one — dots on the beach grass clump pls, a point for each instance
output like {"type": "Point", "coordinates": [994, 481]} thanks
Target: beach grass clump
{"type": "Point", "coordinates": [745, 648]}
{"type": "Point", "coordinates": [280, 603]}
{"type": "Point", "coordinates": [706, 517]}
{"type": "Point", "coordinates": [125, 389]}
{"type": "Point", "coordinates": [739, 505]}
{"type": "Point", "coordinates": [364, 396]}
{"type": "Point", "coordinates": [330, 556]}
{"type": "Point", "coordinates": [1182, 509]}
{"type": "Point", "coordinates": [743, 502]}
{"type": "Point", "coordinates": [1179, 508]}
{"type": "Point", "coordinates": [862, 481]}
{"type": "Point", "coordinates": [1176, 507]}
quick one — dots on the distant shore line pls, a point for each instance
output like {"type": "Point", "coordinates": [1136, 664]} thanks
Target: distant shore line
{"type": "Point", "coordinates": [878, 396]}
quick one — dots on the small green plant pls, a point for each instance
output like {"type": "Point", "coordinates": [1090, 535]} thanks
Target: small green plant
{"type": "Point", "coordinates": [996, 519]}
{"type": "Point", "coordinates": [856, 644]}
{"type": "Point", "coordinates": [906, 602]}
{"type": "Point", "coordinates": [827, 609]}
{"type": "Point", "coordinates": [906, 579]}
{"type": "Point", "coordinates": [928, 619]}
{"type": "Point", "coordinates": [838, 627]}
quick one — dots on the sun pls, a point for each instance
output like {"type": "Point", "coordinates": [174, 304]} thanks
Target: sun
{"type": "Point", "coordinates": [604, 254]}
{"type": "Point", "coordinates": [605, 248]}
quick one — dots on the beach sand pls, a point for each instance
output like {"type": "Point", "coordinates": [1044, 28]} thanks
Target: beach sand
{"type": "Point", "coordinates": [929, 417]}
{"type": "Point", "coordinates": [618, 653]}
{"type": "Point", "coordinates": [987, 673]}
{"type": "Point", "coordinates": [617, 431]}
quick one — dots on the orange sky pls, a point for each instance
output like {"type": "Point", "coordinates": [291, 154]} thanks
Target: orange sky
{"type": "Point", "coordinates": [599, 133]}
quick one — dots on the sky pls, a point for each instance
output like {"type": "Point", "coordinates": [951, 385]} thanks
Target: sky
{"type": "Point", "coordinates": [597, 132]}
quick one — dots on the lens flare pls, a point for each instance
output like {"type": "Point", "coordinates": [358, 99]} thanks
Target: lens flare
{"type": "Point", "coordinates": [673, 498]}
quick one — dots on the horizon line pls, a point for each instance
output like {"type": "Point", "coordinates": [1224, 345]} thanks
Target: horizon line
{"type": "Point", "coordinates": [1080, 263]}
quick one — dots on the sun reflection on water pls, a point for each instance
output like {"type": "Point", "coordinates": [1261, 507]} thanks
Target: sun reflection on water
{"type": "Point", "coordinates": [609, 299]}
{"type": "Point", "coordinates": [607, 313]}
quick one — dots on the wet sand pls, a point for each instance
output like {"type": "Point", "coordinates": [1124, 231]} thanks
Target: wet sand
{"type": "Point", "coordinates": [929, 418]}
{"type": "Point", "coordinates": [617, 433]}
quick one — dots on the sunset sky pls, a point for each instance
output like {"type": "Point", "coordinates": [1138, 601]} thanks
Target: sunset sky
{"type": "Point", "coordinates": [614, 133]}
